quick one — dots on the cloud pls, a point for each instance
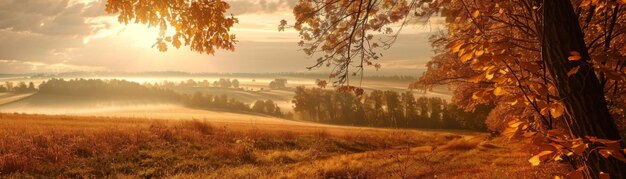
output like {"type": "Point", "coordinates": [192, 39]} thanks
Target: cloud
{"type": "Point", "coordinates": [51, 17]}
{"type": "Point", "coordinates": [46, 30]}
{"type": "Point", "coordinates": [36, 47]}
{"type": "Point", "coordinates": [37, 67]}
{"type": "Point", "coordinates": [77, 35]}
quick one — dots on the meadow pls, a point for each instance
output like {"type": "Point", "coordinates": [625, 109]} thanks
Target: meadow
{"type": "Point", "coordinates": [59, 146]}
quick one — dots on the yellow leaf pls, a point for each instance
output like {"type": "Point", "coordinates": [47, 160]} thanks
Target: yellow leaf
{"type": "Point", "coordinates": [475, 14]}
{"type": "Point", "coordinates": [573, 71]}
{"type": "Point", "coordinates": [537, 159]}
{"type": "Point", "coordinates": [479, 53]}
{"type": "Point", "coordinates": [499, 91]}
{"type": "Point", "coordinates": [515, 124]}
{"type": "Point", "coordinates": [475, 96]}
{"type": "Point", "coordinates": [467, 57]}
{"type": "Point", "coordinates": [489, 75]}
{"type": "Point", "coordinates": [456, 45]}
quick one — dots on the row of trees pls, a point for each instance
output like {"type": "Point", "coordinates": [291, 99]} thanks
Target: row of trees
{"type": "Point", "coordinates": [221, 83]}
{"type": "Point", "coordinates": [97, 88]}
{"type": "Point", "coordinates": [206, 101]}
{"type": "Point", "coordinates": [121, 89]}
{"type": "Point", "coordinates": [21, 87]}
{"type": "Point", "coordinates": [384, 109]}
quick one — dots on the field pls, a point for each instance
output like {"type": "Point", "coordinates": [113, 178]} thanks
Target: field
{"type": "Point", "coordinates": [63, 136]}
{"type": "Point", "coordinates": [75, 147]}
{"type": "Point", "coordinates": [253, 87]}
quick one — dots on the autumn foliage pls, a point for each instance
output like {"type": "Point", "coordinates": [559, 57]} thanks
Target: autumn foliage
{"type": "Point", "coordinates": [532, 60]}
{"type": "Point", "coordinates": [492, 54]}
{"type": "Point", "coordinates": [202, 25]}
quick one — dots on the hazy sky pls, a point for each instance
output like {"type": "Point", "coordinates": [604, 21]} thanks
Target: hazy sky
{"type": "Point", "coordinates": [77, 35]}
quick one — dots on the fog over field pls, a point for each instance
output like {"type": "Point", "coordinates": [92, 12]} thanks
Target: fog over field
{"type": "Point", "coordinates": [252, 87]}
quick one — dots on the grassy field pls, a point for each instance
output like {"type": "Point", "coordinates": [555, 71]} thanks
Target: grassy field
{"type": "Point", "coordinates": [66, 146]}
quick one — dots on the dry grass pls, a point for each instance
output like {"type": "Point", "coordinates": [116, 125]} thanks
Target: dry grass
{"type": "Point", "coordinates": [94, 147]}
{"type": "Point", "coordinates": [461, 144]}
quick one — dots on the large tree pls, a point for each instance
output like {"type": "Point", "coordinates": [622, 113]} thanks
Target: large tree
{"type": "Point", "coordinates": [554, 69]}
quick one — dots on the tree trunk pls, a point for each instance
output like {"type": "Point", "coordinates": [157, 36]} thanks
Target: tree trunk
{"type": "Point", "coordinates": [582, 94]}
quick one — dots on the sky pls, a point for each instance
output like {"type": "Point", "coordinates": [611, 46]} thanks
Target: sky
{"type": "Point", "coordinates": [54, 36]}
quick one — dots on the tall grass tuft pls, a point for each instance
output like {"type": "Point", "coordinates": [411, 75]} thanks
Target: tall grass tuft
{"type": "Point", "coordinates": [203, 127]}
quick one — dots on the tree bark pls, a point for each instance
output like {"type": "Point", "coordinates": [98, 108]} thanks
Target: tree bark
{"type": "Point", "coordinates": [581, 93]}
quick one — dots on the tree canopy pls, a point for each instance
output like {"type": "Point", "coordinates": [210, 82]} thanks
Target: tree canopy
{"type": "Point", "coordinates": [200, 24]}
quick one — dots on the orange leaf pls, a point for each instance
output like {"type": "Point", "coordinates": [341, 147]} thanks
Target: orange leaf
{"type": "Point", "coordinates": [585, 3]}
{"type": "Point", "coordinates": [499, 91]}
{"type": "Point", "coordinates": [542, 156]}
{"type": "Point", "coordinates": [557, 110]}
{"type": "Point", "coordinates": [573, 71]}
{"type": "Point", "coordinates": [574, 56]}
{"type": "Point", "coordinates": [475, 14]}
{"type": "Point", "coordinates": [467, 57]}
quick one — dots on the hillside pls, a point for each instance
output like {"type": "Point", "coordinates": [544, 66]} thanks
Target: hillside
{"type": "Point", "coordinates": [96, 147]}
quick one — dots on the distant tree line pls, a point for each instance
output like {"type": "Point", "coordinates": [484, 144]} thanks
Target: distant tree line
{"type": "Point", "coordinates": [121, 89]}
{"type": "Point", "coordinates": [221, 83]}
{"type": "Point", "coordinates": [222, 102]}
{"type": "Point", "coordinates": [384, 109]}
{"type": "Point", "coordinates": [98, 88]}
{"type": "Point", "coordinates": [206, 101]}
{"type": "Point", "coordinates": [21, 87]}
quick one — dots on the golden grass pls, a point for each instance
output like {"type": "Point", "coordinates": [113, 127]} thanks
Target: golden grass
{"type": "Point", "coordinates": [96, 147]}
